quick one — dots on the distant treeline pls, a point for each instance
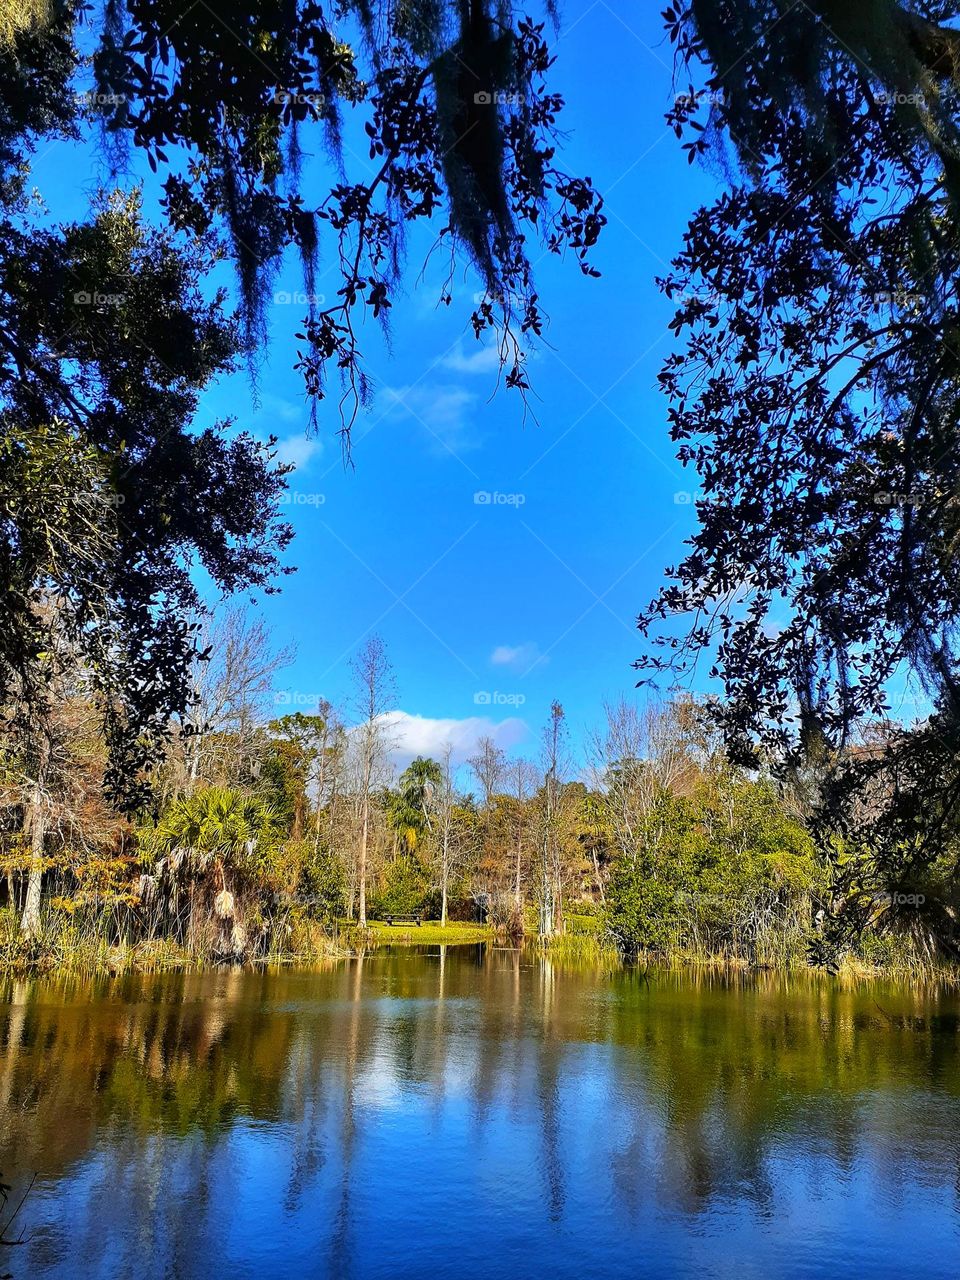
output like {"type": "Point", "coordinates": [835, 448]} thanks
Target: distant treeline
{"type": "Point", "coordinates": [264, 836]}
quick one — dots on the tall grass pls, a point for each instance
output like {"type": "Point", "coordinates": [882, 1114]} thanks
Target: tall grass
{"type": "Point", "coordinates": [775, 941]}
{"type": "Point", "coordinates": [593, 950]}
{"type": "Point", "coordinates": [91, 943]}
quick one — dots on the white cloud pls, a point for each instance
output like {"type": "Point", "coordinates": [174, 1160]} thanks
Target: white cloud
{"type": "Point", "coordinates": [273, 406]}
{"type": "Point", "coordinates": [444, 412]}
{"type": "Point", "coordinates": [298, 449]}
{"type": "Point", "coordinates": [480, 360]}
{"type": "Point", "coordinates": [287, 421]}
{"type": "Point", "coordinates": [521, 657]}
{"type": "Point", "coordinates": [424, 736]}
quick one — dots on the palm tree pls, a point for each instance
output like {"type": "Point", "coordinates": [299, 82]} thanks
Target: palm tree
{"type": "Point", "coordinates": [209, 843]}
{"type": "Point", "coordinates": [414, 805]}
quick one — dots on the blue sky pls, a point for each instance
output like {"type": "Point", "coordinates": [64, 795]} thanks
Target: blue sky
{"type": "Point", "coordinates": [492, 609]}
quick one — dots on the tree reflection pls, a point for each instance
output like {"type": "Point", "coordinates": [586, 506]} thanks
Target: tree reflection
{"type": "Point", "coordinates": [332, 1103]}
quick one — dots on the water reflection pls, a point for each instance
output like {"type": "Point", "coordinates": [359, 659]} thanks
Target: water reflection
{"type": "Point", "coordinates": [468, 1110]}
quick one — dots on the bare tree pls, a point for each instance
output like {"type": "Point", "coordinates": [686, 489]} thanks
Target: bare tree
{"type": "Point", "coordinates": [638, 754]}
{"type": "Point", "coordinates": [232, 686]}
{"type": "Point", "coordinates": [554, 758]}
{"type": "Point", "coordinates": [523, 780]}
{"type": "Point", "coordinates": [51, 786]}
{"type": "Point", "coordinates": [375, 695]}
{"type": "Point", "coordinates": [35, 815]}
{"type": "Point", "coordinates": [326, 771]}
{"type": "Point", "coordinates": [449, 834]}
{"type": "Point", "coordinates": [490, 766]}
{"type": "Point", "coordinates": [39, 759]}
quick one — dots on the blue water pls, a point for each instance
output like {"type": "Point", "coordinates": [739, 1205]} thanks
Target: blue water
{"type": "Point", "coordinates": [480, 1113]}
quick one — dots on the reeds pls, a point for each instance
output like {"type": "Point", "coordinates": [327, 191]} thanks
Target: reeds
{"type": "Point", "coordinates": [90, 943]}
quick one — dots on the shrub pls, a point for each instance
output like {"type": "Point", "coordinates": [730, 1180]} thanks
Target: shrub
{"type": "Point", "coordinates": [402, 890]}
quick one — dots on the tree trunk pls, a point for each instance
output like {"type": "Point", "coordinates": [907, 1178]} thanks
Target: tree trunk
{"type": "Point", "coordinates": [517, 893]}
{"type": "Point", "coordinates": [362, 864]}
{"type": "Point", "coordinates": [444, 876]}
{"type": "Point", "coordinates": [546, 900]}
{"type": "Point", "coordinates": [194, 769]}
{"type": "Point", "coordinates": [35, 826]}
{"type": "Point", "coordinates": [596, 872]}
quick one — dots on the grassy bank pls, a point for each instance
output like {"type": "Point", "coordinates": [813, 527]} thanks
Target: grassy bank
{"type": "Point", "coordinates": [68, 946]}
{"type": "Point", "coordinates": [428, 934]}
{"type": "Point", "coordinates": [63, 946]}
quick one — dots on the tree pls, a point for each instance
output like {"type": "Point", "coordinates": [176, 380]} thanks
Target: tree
{"type": "Point", "coordinates": [56, 825]}
{"type": "Point", "coordinates": [108, 494]}
{"type": "Point", "coordinates": [109, 337]}
{"type": "Point", "coordinates": [714, 866]}
{"type": "Point", "coordinates": [233, 677]}
{"type": "Point", "coordinates": [595, 836]}
{"type": "Point", "coordinates": [455, 832]}
{"type": "Point", "coordinates": [60, 527]}
{"type": "Point", "coordinates": [554, 759]}
{"type": "Point", "coordinates": [639, 753]}
{"type": "Point", "coordinates": [523, 778]}
{"type": "Point", "coordinates": [284, 772]}
{"type": "Point", "coordinates": [374, 695]}
{"type": "Point", "coordinates": [417, 801]}
{"type": "Point", "coordinates": [489, 764]}
{"type": "Point", "coordinates": [453, 99]}
{"type": "Point", "coordinates": [18, 16]}
{"type": "Point", "coordinates": [213, 846]}
{"type": "Point", "coordinates": [816, 393]}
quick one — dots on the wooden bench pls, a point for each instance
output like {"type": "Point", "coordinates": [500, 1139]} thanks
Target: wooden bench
{"type": "Point", "coordinates": [391, 920]}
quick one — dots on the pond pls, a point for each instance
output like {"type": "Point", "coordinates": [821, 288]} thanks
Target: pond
{"type": "Point", "coordinates": [480, 1112]}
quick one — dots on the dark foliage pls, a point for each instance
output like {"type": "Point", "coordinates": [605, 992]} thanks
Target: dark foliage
{"type": "Point", "coordinates": [459, 123]}
{"type": "Point", "coordinates": [108, 336]}
{"type": "Point", "coordinates": [817, 396]}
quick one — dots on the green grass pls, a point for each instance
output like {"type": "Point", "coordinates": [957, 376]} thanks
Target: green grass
{"type": "Point", "coordinates": [592, 926]}
{"type": "Point", "coordinates": [428, 934]}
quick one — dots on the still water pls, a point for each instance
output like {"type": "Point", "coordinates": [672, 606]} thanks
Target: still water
{"type": "Point", "coordinates": [480, 1113]}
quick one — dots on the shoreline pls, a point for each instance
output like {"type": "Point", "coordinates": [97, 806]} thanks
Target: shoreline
{"type": "Point", "coordinates": [348, 942]}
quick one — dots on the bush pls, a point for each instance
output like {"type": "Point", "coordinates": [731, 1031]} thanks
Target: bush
{"type": "Point", "coordinates": [322, 888]}
{"type": "Point", "coordinates": [724, 871]}
{"type": "Point", "coordinates": [402, 891]}
{"type": "Point", "coordinates": [642, 913]}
